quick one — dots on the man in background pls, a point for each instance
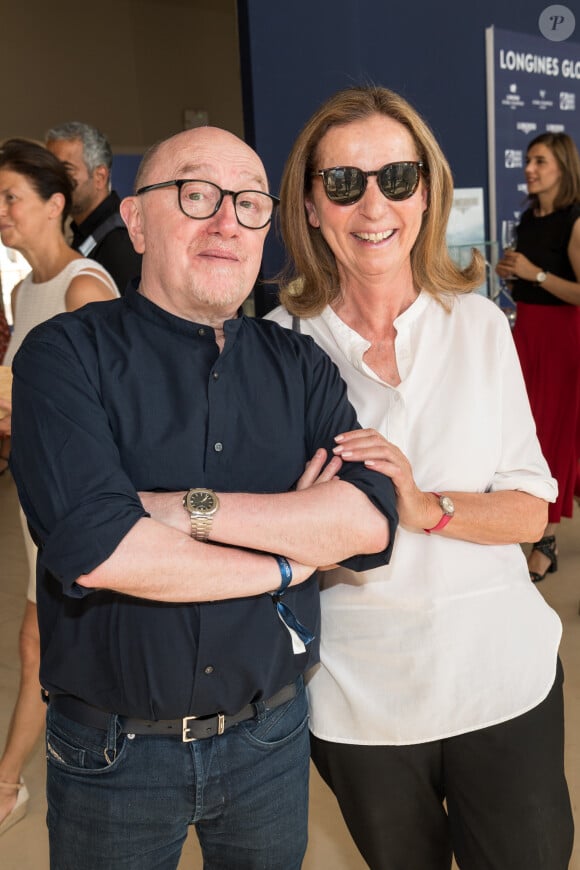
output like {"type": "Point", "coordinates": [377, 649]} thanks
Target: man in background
{"type": "Point", "coordinates": [97, 227]}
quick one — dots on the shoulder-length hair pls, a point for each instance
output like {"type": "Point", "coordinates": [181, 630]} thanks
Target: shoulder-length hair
{"type": "Point", "coordinates": [310, 279]}
{"type": "Point", "coordinates": [45, 172]}
{"type": "Point", "coordinates": [568, 159]}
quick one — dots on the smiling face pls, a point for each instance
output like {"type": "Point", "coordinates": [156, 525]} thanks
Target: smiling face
{"type": "Point", "coordinates": [373, 238]}
{"type": "Point", "coordinates": [24, 215]}
{"type": "Point", "coordinates": [199, 269]}
{"type": "Point", "coordinates": [543, 173]}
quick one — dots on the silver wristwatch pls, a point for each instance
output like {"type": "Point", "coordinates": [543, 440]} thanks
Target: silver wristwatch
{"type": "Point", "coordinates": [541, 277]}
{"type": "Point", "coordinates": [201, 505]}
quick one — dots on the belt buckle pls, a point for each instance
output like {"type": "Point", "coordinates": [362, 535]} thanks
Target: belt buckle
{"type": "Point", "coordinates": [186, 738]}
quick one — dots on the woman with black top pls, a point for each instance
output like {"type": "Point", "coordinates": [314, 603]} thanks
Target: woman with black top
{"type": "Point", "coordinates": [546, 288]}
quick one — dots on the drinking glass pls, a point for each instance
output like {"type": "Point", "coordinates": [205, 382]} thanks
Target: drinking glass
{"type": "Point", "coordinates": [509, 238]}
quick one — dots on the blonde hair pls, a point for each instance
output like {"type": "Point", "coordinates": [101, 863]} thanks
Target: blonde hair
{"type": "Point", "coordinates": [310, 279]}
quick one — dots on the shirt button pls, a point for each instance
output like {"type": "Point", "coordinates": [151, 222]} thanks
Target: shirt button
{"type": "Point", "coordinates": [201, 331]}
{"type": "Point", "coordinates": [215, 375]}
{"type": "Point", "coordinates": [208, 670]}
{"type": "Point", "coordinates": [218, 447]}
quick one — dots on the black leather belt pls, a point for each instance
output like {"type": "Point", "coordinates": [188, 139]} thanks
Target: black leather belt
{"type": "Point", "coordinates": [187, 729]}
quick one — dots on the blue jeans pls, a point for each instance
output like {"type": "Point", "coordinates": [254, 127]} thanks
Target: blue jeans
{"type": "Point", "coordinates": [124, 802]}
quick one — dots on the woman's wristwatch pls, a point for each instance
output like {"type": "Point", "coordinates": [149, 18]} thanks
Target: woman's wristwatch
{"type": "Point", "coordinates": [448, 509]}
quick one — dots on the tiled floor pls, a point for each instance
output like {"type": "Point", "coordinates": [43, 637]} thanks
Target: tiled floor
{"type": "Point", "coordinates": [24, 847]}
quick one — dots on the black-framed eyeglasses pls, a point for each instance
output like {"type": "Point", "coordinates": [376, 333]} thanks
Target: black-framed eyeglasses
{"type": "Point", "coordinates": [200, 200]}
{"type": "Point", "coordinates": [345, 185]}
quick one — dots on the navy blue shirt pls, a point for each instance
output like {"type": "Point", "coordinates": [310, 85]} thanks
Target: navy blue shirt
{"type": "Point", "coordinates": [123, 396]}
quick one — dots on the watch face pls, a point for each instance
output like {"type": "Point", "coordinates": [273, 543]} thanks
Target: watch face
{"type": "Point", "coordinates": [447, 505]}
{"type": "Point", "coordinates": [201, 501]}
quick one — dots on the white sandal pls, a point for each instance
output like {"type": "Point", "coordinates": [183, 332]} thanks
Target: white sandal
{"type": "Point", "coordinates": [18, 811]}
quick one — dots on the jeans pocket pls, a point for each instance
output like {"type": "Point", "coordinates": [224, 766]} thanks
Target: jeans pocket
{"type": "Point", "coordinates": [279, 726]}
{"type": "Point", "coordinates": [79, 748]}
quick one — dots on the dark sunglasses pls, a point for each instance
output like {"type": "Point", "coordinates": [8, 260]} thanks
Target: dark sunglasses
{"type": "Point", "coordinates": [345, 185]}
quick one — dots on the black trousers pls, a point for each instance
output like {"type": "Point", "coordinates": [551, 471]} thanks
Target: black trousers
{"type": "Point", "coordinates": [506, 807]}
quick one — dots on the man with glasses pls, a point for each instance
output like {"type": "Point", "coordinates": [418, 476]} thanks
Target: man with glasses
{"type": "Point", "coordinates": [178, 531]}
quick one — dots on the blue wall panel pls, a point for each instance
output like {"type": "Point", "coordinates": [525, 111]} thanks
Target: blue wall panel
{"type": "Point", "coordinates": [296, 54]}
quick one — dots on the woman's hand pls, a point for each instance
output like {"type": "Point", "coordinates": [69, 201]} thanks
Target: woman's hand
{"type": "Point", "coordinates": [416, 509]}
{"type": "Point", "coordinates": [516, 265]}
{"type": "Point", "coordinates": [503, 270]}
{"type": "Point", "coordinates": [504, 517]}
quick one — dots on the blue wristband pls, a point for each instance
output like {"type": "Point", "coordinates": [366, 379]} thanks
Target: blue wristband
{"type": "Point", "coordinates": [285, 573]}
{"type": "Point", "coordinates": [300, 635]}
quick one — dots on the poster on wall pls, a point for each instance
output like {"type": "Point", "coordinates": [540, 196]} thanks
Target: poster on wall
{"type": "Point", "coordinates": [466, 229]}
{"type": "Point", "coordinates": [533, 87]}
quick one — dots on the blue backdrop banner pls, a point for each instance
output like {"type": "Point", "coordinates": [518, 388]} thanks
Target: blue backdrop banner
{"type": "Point", "coordinates": [533, 87]}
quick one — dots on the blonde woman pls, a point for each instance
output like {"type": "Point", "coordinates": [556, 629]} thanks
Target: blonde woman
{"type": "Point", "coordinates": [436, 712]}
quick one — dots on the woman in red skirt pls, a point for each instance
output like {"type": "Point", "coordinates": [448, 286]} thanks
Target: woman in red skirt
{"type": "Point", "coordinates": [546, 266]}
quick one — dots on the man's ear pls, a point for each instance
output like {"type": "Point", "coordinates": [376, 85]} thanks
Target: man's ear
{"type": "Point", "coordinates": [312, 213]}
{"type": "Point", "coordinates": [131, 213]}
{"type": "Point", "coordinates": [101, 177]}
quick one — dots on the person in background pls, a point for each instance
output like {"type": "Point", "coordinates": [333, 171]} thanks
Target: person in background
{"type": "Point", "coordinates": [35, 199]}
{"type": "Point", "coordinates": [544, 271]}
{"type": "Point", "coordinates": [160, 442]}
{"type": "Point", "coordinates": [437, 712]}
{"type": "Point", "coordinates": [98, 229]}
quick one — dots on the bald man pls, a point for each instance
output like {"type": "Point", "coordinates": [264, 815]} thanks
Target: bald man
{"type": "Point", "coordinates": [179, 534]}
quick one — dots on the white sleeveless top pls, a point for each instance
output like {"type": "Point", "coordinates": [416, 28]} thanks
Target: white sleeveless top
{"type": "Point", "coordinates": [36, 303]}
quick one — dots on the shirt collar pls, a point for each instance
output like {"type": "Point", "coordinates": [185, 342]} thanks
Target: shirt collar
{"type": "Point", "coordinates": [351, 344]}
{"type": "Point", "coordinates": [148, 310]}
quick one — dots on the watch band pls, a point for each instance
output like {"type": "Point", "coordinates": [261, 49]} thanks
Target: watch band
{"type": "Point", "coordinates": [440, 525]}
{"type": "Point", "coordinates": [446, 518]}
{"type": "Point", "coordinates": [200, 527]}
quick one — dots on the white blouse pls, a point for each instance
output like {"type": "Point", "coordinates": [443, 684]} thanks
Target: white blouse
{"type": "Point", "coordinates": [451, 636]}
